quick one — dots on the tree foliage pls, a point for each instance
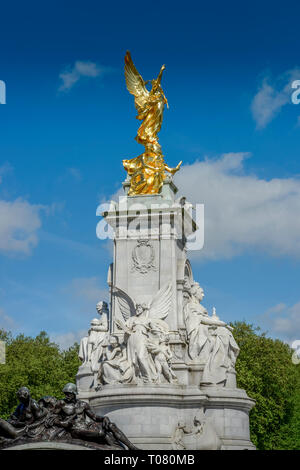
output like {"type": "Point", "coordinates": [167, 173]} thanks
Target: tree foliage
{"type": "Point", "coordinates": [289, 436]}
{"type": "Point", "coordinates": [36, 363]}
{"type": "Point", "coordinates": [265, 370]}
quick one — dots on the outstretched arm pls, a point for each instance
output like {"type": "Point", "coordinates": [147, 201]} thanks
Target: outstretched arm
{"type": "Point", "coordinates": [210, 322]}
{"type": "Point", "coordinates": [98, 419]}
{"type": "Point", "coordinates": [160, 74]}
{"type": "Point", "coordinates": [173, 170]}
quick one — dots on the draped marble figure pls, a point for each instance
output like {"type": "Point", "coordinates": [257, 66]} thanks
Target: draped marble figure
{"type": "Point", "coordinates": [92, 346]}
{"type": "Point", "coordinates": [210, 340]}
{"type": "Point", "coordinates": [146, 333]}
{"type": "Point", "coordinates": [223, 354]}
{"type": "Point", "coordinates": [197, 322]}
{"type": "Point", "coordinates": [114, 367]}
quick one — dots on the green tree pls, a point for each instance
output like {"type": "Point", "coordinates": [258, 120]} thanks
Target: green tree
{"type": "Point", "coordinates": [36, 363]}
{"type": "Point", "coordinates": [289, 436]}
{"type": "Point", "coordinates": [265, 370]}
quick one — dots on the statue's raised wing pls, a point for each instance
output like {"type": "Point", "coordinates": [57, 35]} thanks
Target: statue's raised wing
{"type": "Point", "coordinates": [135, 83]}
{"type": "Point", "coordinates": [126, 304]}
{"type": "Point", "coordinates": [161, 303]}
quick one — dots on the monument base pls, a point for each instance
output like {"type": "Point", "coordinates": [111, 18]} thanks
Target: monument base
{"type": "Point", "coordinates": [57, 445]}
{"type": "Point", "coordinates": [161, 417]}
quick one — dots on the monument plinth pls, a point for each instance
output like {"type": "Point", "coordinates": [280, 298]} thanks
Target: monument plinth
{"type": "Point", "coordinates": [165, 363]}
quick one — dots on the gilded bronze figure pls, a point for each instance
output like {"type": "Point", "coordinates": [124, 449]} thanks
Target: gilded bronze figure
{"type": "Point", "coordinates": [148, 170]}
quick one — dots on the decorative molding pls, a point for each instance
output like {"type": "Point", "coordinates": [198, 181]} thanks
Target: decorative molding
{"type": "Point", "coordinates": [143, 256]}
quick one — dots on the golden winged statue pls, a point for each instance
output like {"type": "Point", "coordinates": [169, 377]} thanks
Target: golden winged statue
{"type": "Point", "coordinates": [148, 170]}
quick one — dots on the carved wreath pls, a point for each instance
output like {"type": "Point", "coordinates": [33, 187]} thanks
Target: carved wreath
{"type": "Point", "coordinates": [143, 256]}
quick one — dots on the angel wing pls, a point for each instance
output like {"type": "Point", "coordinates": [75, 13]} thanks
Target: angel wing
{"type": "Point", "coordinates": [126, 304]}
{"type": "Point", "coordinates": [161, 303]}
{"type": "Point", "coordinates": [135, 83]}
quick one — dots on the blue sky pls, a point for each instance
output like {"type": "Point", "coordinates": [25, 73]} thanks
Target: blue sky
{"type": "Point", "coordinates": [69, 121]}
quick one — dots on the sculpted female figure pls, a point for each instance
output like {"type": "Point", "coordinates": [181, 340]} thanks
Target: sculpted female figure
{"type": "Point", "coordinates": [136, 338]}
{"type": "Point", "coordinates": [197, 322]}
{"type": "Point", "coordinates": [114, 368]}
{"type": "Point", "coordinates": [91, 346]}
{"type": "Point", "coordinates": [222, 356]}
{"type": "Point", "coordinates": [147, 171]}
{"type": "Point", "coordinates": [139, 322]}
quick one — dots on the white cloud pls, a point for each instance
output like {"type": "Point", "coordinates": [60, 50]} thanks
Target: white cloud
{"type": "Point", "coordinates": [272, 96]}
{"type": "Point", "coordinates": [19, 223]}
{"type": "Point", "coordinates": [88, 289]}
{"type": "Point", "coordinates": [4, 169]}
{"type": "Point", "coordinates": [84, 293]}
{"type": "Point", "coordinates": [6, 322]}
{"type": "Point", "coordinates": [66, 340]}
{"type": "Point", "coordinates": [278, 308]}
{"type": "Point", "coordinates": [283, 321]}
{"type": "Point", "coordinates": [68, 244]}
{"type": "Point", "coordinates": [54, 208]}
{"type": "Point", "coordinates": [75, 173]}
{"type": "Point", "coordinates": [242, 212]}
{"type": "Point", "coordinates": [80, 69]}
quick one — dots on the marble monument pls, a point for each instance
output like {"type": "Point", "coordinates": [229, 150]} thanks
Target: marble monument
{"type": "Point", "coordinates": [156, 362]}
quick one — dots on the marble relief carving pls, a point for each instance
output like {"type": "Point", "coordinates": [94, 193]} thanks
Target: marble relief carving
{"type": "Point", "coordinates": [92, 346]}
{"type": "Point", "coordinates": [144, 355]}
{"type": "Point", "coordinates": [198, 435]}
{"type": "Point", "coordinates": [141, 350]}
{"type": "Point", "coordinates": [210, 340]}
{"type": "Point", "coordinates": [143, 257]}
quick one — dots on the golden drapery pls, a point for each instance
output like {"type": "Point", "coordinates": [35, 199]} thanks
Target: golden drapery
{"type": "Point", "coordinates": [147, 171]}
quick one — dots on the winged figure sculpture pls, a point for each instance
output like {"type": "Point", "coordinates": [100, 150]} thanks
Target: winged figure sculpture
{"type": "Point", "coordinates": [157, 310]}
{"type": "Point", "coordinates": [147, 171]}
{"type": "Point", "coordinates": [146, 334]}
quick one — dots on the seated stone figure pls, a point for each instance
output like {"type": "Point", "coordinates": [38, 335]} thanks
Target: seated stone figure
{"type": "Point", "coordinates": [24, 418]}
{"type": "Point", "coordinates": [197, 322]}
{"type": "Point", "coordinates": [115, 367]}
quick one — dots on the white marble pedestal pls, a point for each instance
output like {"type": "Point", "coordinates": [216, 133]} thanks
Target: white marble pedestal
{"type": "Point", "coordinates": [166, 411]}
{"type": "Point", "coordinates": [149, 414]}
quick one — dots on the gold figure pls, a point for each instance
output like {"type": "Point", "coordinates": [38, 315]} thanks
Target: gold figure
{"type": "Point", "coordinates": [147, 171]}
